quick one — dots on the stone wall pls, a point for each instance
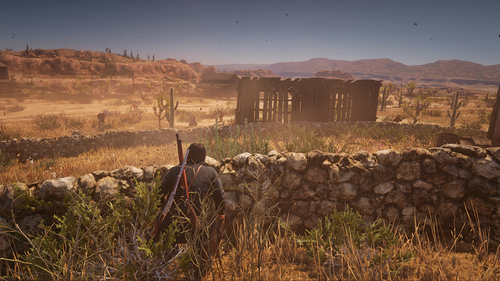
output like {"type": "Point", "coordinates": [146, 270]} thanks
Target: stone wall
{"type": "Point", "coordinates": [397, 186]}
{"type": "Point", "coordinates": [68, 146]}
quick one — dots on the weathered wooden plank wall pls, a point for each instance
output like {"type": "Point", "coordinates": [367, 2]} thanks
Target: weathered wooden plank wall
{"type": "Point", "coordinates": [308, 99]}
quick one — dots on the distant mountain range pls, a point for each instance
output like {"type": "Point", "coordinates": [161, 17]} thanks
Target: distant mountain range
{"type": "Point", "coordinates": [441, 73]}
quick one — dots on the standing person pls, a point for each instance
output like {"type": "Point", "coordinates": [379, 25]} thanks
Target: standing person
{"type": "Point", "coordinates": [206, 196]}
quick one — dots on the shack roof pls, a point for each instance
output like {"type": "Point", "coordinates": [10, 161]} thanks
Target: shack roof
{"type": "Point", "coordinates": [2, 64]}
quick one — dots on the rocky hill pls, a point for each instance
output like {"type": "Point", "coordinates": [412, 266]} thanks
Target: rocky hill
{"type": "Point", "coordinates": [443, 73]}
{"type": "Point", "coordinates": [335, 74]}
{"type": "Point", "coordinates": [64, 62]}
{"type": "Point", "coordinates": [255, 73]}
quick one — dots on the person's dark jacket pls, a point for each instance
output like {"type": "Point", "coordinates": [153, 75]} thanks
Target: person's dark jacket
{"type": "Point", "coordinates": [206, 183]}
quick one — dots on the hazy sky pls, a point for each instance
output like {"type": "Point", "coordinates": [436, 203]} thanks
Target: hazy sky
{"type": "Point", "coordinates": [220, 32]}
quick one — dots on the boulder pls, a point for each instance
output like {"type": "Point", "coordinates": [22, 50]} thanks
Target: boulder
{"type": "Point", "coordinates": [296, 161]}
{"type": "Point", "coordinates": [127, 173]}
{"type": "Point", "coordinates": [383, 188]}
{"type": "Point", "coordinates": [106, 190]}
{"type": "Point", "coordinates": [315, 174]}
{"type": "Point", "coordinates": [7, 195]}
{"type": "Point", "coordinates": [388, 157]}
{"type": "Point", "coordinates": [486, 167]}
{"type": "Point", "coordinates": [54, 190]}
{"type": "Point", "coordinates": [87, 183]}
{"type": "Point", "coordinates": [345, 191]}
{"type": "Point", "coordinates": [409, 171]}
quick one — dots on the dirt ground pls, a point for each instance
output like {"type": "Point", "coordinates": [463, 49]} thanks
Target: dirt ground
{"type": "Point", "coordinates": [34, 107]}
{"type": "Point", "coordinates": [121, 89]}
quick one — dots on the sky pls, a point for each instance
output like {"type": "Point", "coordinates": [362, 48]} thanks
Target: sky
{"type": "Point", "coordinates": [260, 32]}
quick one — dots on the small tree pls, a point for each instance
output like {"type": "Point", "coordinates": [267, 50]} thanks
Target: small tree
{"type": "Point", "coordinates": [399, 97]}
{"type": "Point", "coordinates": [414, 107]}
{"type": "Point", "coordinates": [153, 57]}
{"type": "Point", "coordinates": [382, 100]}
{"type": "Point", "coordinates": [125, 53]}
{"type": "Point", "coordinates": [160, 109]}
{"type": "Point", "coordinates": [410, 88]}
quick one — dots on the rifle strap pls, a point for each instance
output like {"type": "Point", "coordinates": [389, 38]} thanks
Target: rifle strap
{"type": "Point", "coordinates": [187, 187]}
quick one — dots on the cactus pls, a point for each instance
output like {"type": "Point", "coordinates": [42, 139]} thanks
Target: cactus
{"type": "Point", "coordinates": [454, 106]}
{"type": "Point", "coordinates": [171, 115]}
{"type": "Point", "coordinates": [161, 106]}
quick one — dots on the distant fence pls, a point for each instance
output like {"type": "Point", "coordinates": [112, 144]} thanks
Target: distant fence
{"type": "Point", "coordinates": [307, 99]}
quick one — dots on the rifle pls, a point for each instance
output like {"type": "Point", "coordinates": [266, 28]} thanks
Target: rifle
{"type": "Point", "coordinates": [192, 215]}
{"type": "Point", "coordinates": [182, 179]}
{"type": "Point", "coordinates": [159, 219]}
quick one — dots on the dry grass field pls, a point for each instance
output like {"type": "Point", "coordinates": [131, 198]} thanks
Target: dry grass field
{"type": "Point", "coordinates": [259, 254]}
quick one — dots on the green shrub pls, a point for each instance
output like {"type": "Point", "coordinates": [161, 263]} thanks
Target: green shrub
{"type": "Point", "coordinates": [47, 122]}
{"type": "Point", "coordinates": [220, 147]}
{"type": "Point", "coordinates": [92, 241]}
{"type": "Point", "coordinates": [16, 108]}
{"type": "Point", "coordinates": [344, 235]}
{"type": "Point", "coordinates": [4, 162]}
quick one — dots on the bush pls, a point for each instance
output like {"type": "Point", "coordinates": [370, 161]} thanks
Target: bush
{"type": "Point", "coordinates": [131, 117]}
{"type": "Point", "coordinates": [16, 108]}
{"type": "Point", "coordinates": [92, 241]}
{"type": "Point", "coordinates": [9, 134]}
{"type": "Point", "coordinates": [344, 238]}
{"type": "Point", "coordinates": [221, 147]}
{"type": "Point", "coordinates": [433, 113]}
{"type": "Point", "coordinates": [47, 122]}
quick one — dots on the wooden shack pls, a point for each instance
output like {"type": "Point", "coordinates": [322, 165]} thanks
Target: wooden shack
{"type": "Point", "coordinates": [307, 99]}
{"type": "Point", "coordinates": [6, 86]}
{"type": "Point", "coordinates": [219, 84]}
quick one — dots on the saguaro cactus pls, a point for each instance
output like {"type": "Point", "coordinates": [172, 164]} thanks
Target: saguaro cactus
{"type": "Point", "coordinates": [171, 115]}
{"type": "Point", "coordinates": [454, 106]}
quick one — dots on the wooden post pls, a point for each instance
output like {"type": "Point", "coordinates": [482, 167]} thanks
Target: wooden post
{"type": "Point", "coordinates": [495, 139]}
{"type": "Point", "coordinates": [494, 116]}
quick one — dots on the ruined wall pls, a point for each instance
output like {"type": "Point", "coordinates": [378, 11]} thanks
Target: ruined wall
{"type": "Point", "coordinates": [395, 185]}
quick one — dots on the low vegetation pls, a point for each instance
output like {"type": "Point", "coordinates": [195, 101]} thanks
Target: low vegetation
{"type": "Point", "coordinates": [89, 241]}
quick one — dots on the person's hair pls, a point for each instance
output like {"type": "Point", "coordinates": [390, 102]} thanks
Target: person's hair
{"type": "Point", "coordinates": [197, 153]}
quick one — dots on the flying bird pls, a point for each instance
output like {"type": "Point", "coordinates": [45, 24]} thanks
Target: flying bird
{"type": "Point", "coordinates": [414, 23]}
{"type": "Point", "coordinates": [236, 21]}
{"type": "Point", "coordinates": [15, 35]}
{"type": "Point", "coordinates": [286, 14]}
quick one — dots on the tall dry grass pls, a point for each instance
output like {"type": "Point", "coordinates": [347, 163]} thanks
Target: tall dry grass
{"type": "Point", "coordinates": [94, 242]}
